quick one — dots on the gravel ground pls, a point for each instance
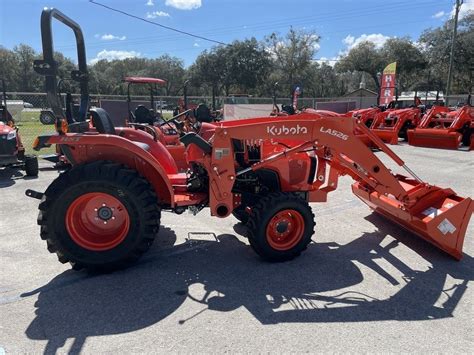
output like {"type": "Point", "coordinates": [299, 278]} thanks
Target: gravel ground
{"type": "Point", "coordinates": [364, 285]}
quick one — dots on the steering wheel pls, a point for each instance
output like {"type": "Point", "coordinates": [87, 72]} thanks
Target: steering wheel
{"type": "Point", "coordinates": [179, 124]}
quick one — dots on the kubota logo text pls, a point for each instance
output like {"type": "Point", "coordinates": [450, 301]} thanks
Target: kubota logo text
{"type": "Point", "coordinates": [334, 133]}
{"type": "Point", "coordinates": [286, 131]}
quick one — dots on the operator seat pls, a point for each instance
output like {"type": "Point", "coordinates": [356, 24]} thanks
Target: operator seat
{"type": "Point", "coordinates": [102, 121]}
{"type": "Point", "coordinates": [104, 125]}
{"type": "Point", "coordinates": [143, 115]}
{"type": "Point", "coordinates": [203, 113]}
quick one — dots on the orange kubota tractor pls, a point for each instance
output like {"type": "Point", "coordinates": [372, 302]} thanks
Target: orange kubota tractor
{"type": "Point", "coordinates": [442, 128]}
{"type": "Point", "coordinates": [389, 124]}
{"type": "Point", "coordinates": [393, 123]}
{"type": "Point", "coordinates": [104, 212]}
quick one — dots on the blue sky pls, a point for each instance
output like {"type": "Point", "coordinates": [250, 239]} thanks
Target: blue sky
{"type": "Point", "coordinates": [340, 23]}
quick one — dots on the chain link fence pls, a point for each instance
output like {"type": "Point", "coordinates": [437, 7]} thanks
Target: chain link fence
{"type": "Point", "coordinates": [33, 116]}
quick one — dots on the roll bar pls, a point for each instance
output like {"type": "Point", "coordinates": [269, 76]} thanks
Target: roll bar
{"type": "Point", "coordinates": [151, 82]}
{"type": "Point", "coordinates": [49, 68]}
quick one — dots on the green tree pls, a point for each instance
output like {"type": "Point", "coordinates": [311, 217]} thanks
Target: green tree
{"type": "Point", "coordinates": [28, 80]}
{"type": "Point", "coordinates": [410, 61]}
{"type": "Point", "coordinates": [210, 70]}
{"type": "Point", "coordinates": [436, 44]}
{"type": "Point", "coordinates": [169, 68]}
{"type": "Point", "coordinates": [8, 65]}
{"type": "Point", "coordinates": [363, 58]}
{"type": "Point", "coordinates": [292, 55]}
{"type": "Point", "coordinates": [247, 64]}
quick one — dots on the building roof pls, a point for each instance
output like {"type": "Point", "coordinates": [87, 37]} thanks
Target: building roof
{"type": "Point", "coordinates": [360, 92]}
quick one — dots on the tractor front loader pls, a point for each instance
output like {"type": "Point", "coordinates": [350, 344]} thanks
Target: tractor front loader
{"type": "Point", "coordinates": [391, 125]}
{"type": "Point", "coordinates": [442, 128]}
{"type": "Point", "coordinates": [104, 212]}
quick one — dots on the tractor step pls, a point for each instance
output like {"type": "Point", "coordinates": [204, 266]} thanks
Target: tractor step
{"type": "Point", "coordinates": [182, 198]}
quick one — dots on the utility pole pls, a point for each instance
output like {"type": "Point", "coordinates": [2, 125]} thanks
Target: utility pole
{"type": "Point", "coordinates": [453, 41]}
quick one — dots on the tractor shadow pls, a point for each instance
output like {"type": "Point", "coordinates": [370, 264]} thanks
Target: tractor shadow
{"type": "Point", "coordinates": [8, 176]}
{"type": "Point", "coordinates": [326, 284]}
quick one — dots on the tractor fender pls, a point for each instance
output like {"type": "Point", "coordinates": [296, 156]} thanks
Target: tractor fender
{"type": "Point", "coordinates": [87, 148]}
{"type": "Point", "coordinates": [159, 151]}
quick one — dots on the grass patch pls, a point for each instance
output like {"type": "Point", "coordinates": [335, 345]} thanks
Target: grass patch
{"type": "Point", "coordinates": [30, 127]}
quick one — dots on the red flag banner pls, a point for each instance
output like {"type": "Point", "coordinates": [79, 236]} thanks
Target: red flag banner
{"type": "Point", "coordinates": [387, 87]}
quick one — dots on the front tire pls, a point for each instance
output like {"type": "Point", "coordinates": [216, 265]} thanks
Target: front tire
{"type": "Point", "coordinates": [31, 165]}
{"type": "Point", "coordinates": [280, 226]}
{"type": "Point", "coordinates": [241, 214]}
{"type": "Point", "coordinates": [99, 216]}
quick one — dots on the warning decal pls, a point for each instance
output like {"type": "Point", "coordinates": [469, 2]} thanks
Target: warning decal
{"type": "Point", "coordinates": [446, 227]}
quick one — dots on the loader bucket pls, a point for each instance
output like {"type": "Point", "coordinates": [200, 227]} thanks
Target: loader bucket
{"type": "Point", "coordinates": [440, 216]}
{"type": "Point", "coordinates": [389, 136]}
{"type": "Point", "coordinates": [434, 138]}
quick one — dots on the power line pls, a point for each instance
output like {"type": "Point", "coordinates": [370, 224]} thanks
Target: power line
{"type": "Point", "coordinates": [266, 24]}
{"type": "Point", "coordinates": [155, 23]}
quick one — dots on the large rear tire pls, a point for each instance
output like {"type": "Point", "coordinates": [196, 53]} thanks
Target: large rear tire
{"type": "Point", "coordinates": [280, 226]}
{"type": "Point", "coordinates": [99, 216]}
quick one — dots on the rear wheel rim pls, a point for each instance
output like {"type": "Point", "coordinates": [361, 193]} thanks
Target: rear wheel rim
{"type": "Point", "coordinates": [285, 229]}
{"type": "Point", "coordinates": [97, 221]}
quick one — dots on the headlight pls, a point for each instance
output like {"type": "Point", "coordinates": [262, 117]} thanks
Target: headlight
{"type": "Point", "coordinates": [11, 135]}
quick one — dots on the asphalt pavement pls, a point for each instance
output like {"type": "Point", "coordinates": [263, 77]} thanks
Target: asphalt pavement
{"type": "Point", "coordinates": [363, 285]}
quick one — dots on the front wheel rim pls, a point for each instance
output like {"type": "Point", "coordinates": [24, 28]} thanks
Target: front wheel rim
{"type": "Point", "coordinates": [285, 229]}
{"type": "Point", "coordinates": [97, 221]}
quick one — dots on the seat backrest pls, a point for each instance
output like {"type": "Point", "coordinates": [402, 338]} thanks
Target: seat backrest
{"type": "Point", "coordinates": [143, 115]}
{"type": "Point", "coordinates": [203, 113]}
{"type": "Point", "coordinates": [101, 121]}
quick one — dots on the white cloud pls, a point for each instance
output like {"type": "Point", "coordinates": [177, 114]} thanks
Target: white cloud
{"type": "Point", "coordinates": [376, 38]}
{"type": "Point", "coordinates": [466, 7]}
{"type": "Point", "coordinates": [184, 4]}
{"type": "Point", "coordinates": [316, 46]}
{"type": "Point", "coordinates": [196, 44]}
{"type": "Point", "coordinates": [328, 61]}
{"type": "Point", "coordinates": [439, 14]}
{"type": "Point", "coordinates": [111, 55]}
{"type": "Point", "coordinates": [150, 3]}
{"type": "Point", "coordinates": [156, 14]}
{"type": "Point", "coordinates": [110, 37]}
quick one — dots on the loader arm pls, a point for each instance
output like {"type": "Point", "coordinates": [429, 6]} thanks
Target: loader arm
{"type": "Point", "coordinates": [436, 214]}
{"type": "Point", "coordinates": [331, 138]}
